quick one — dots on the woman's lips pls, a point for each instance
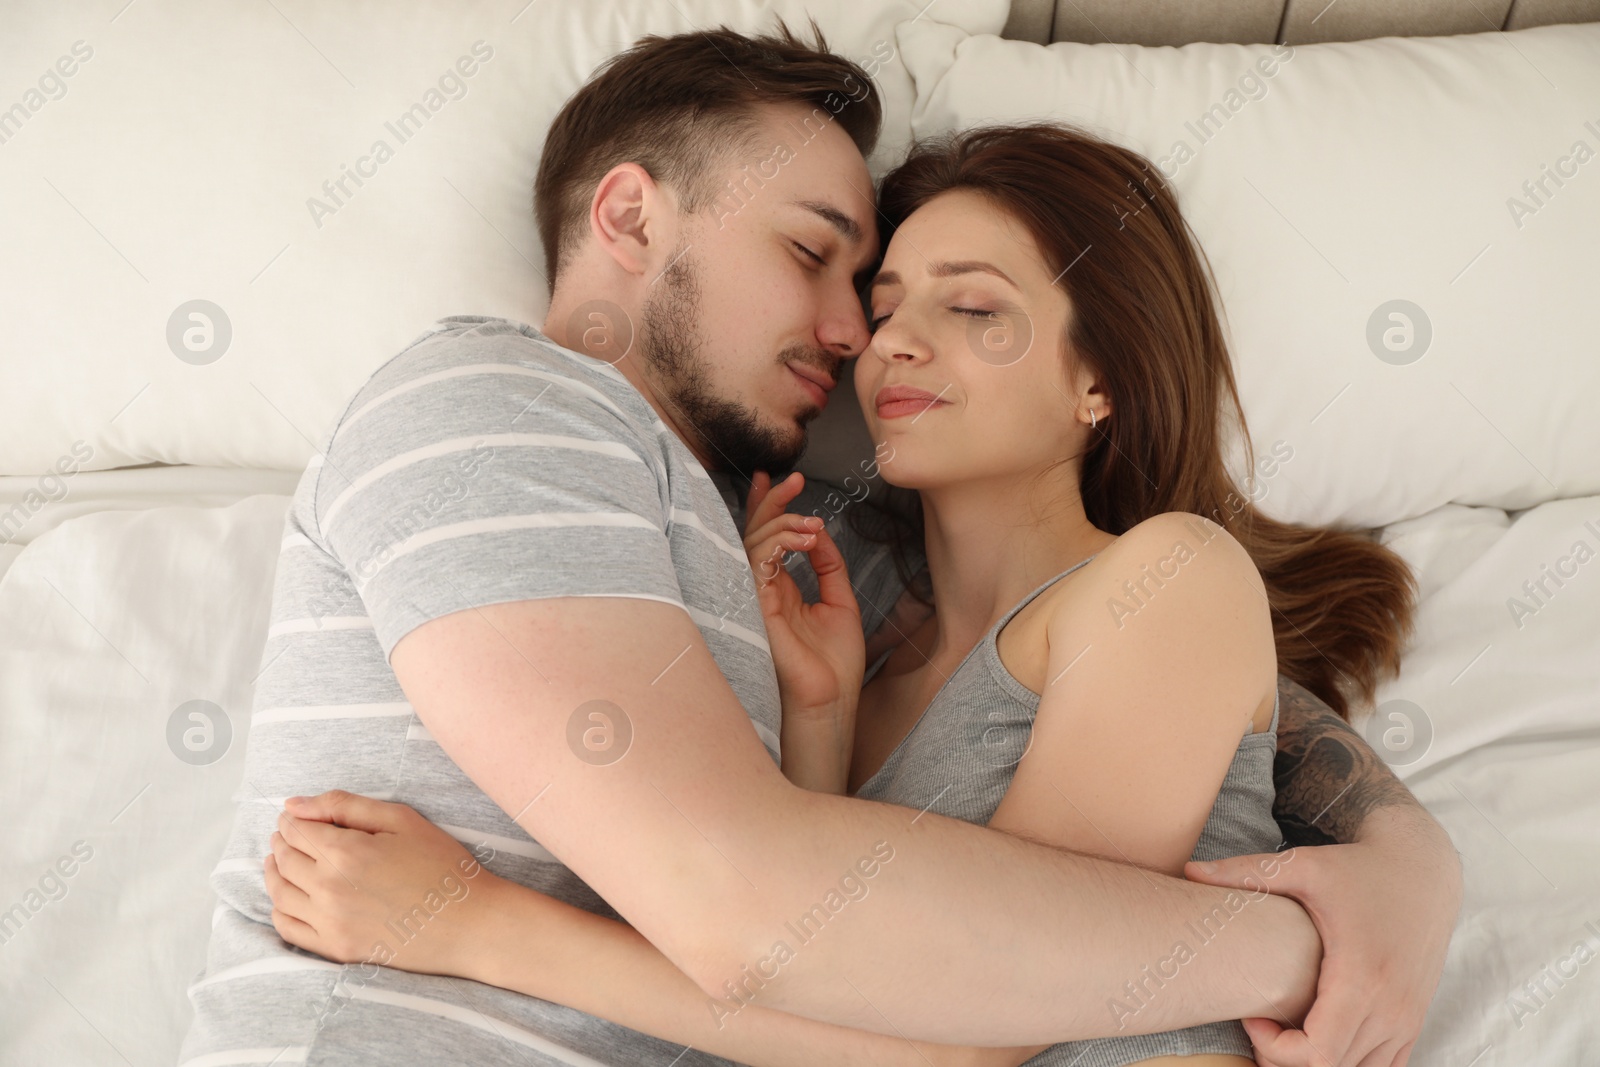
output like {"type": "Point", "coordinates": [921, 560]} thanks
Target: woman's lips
{"type": "Point", "coordinates": [896, 408]}
{"type": "Point", "coordinates": [895, 402]}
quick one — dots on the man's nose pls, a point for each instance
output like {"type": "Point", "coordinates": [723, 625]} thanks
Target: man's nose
{"type": "Point", "coordinates": [843, 329]}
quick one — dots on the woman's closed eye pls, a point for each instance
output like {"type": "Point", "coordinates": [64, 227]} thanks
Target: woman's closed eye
{"type": "Point", "coordinates": [976, 313]}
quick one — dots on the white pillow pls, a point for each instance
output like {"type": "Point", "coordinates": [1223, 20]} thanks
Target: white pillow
{"type": "Point", "coordinates": [1353, 175]}
{"type": "Point", "coordinates": [168, 153]}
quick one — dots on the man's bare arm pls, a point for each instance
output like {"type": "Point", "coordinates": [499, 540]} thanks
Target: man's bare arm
{"type": "Point", "coordinates": [702, 845]}
{"type": "Point", "coordinates": [1328, 778]}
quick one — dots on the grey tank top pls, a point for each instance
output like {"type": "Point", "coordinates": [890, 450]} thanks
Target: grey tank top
{"type": "Point", "coordinates": [958, 761]}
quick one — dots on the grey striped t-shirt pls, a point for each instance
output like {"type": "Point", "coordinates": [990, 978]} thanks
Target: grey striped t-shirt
{"type": "Point", "coordinates": [484, 464]}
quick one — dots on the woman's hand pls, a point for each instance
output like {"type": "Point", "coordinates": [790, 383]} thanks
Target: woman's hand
{"type": "Point", "coordinates": [360, 880]}
{"type": "Point", "coordinates": [818, 649]}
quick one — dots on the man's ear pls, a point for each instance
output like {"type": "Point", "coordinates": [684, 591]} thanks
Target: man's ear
{"type": "Point", "coordinates": [626, 217]}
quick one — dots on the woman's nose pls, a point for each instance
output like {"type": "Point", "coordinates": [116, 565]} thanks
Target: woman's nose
{"type": "Point", "coordinates": [900, 343]}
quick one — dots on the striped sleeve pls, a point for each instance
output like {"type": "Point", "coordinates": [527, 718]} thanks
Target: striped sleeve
{"type": "Point", "coordinates": [490, 483]}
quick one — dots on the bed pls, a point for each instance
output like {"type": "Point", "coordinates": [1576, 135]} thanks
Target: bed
{"type": "Point", "coordinates": [193, 285]}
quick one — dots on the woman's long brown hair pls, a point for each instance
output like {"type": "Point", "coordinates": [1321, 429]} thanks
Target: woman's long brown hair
{"type": "Point", "coordinates": [1145, 319]}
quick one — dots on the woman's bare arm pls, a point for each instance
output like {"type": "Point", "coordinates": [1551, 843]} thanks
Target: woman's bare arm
{"type": "Point", "coordinates": [491, 930]}
{"type": "Point", "coordinates": [557, 952]}
{"type": "Point", "coordinates": [1139, 717]}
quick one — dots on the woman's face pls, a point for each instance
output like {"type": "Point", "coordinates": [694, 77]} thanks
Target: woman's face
{"type": "Point", "coordinates": [966, 310]}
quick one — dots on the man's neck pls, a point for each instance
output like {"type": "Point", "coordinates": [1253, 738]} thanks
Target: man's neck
{"type": "Point", "coordinates": [564, 319]}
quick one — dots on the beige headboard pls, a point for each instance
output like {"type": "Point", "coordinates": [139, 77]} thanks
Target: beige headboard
{"type": "Point", "coordinates": [1176, 22]}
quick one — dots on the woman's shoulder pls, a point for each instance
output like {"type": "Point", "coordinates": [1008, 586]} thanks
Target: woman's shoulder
{"type": "Point", "coordinates": [1178, 570]}
{"type": "Point", "coordinates": [1175, 542]}
{"type": "Point", "coordinates": [1176, 527]}
{"type": "Point", "coordinates": [1175, 592]}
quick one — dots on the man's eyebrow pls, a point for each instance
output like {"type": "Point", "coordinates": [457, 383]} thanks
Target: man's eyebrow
{"type": "Point", "coordinates": [950, 270]}
{"type": "Point", "coordinates": [846, 226]}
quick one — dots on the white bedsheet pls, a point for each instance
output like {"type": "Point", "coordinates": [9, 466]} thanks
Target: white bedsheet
{"type": "Point", "coordinates": [114, 617]}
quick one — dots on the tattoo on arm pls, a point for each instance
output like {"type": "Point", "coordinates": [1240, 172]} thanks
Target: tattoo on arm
{"type": "Point", "coordinates": [1327, 777]}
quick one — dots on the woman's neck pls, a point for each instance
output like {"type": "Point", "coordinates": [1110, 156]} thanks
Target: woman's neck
{"type": "Point", "coordinates": [991, 543]}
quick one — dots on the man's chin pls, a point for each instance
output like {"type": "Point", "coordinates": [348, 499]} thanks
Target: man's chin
{"type": "Point", "coordinates": [787, 444]}
{"type": "Point", "coordinates": [787, 460]}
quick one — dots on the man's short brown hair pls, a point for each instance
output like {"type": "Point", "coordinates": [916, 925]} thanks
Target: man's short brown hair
{"type": "Point", "coordinates": [681, 106]}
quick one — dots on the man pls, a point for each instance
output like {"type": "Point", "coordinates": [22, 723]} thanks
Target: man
{"type": "Point", "coordinates": [510, 540]}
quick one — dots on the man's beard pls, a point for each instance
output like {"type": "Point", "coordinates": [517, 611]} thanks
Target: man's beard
{"type": "Point", "coordinates": [669, 341]}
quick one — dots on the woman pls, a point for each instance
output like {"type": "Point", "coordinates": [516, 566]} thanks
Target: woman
{"type": "Point", "coordinates": [1048, 374]}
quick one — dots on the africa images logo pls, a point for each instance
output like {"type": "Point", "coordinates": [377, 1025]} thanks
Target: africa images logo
{"type": "Point", "coordinates": [452, 85]}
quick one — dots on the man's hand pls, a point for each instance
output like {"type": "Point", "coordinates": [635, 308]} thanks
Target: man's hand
{"type": "Point", "coordinates": [1383, 889]}
{"type": "Point", "coordinates": [1385, 907]}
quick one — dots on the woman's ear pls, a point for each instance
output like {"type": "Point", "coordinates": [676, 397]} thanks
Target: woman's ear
{"type": "Point", "coordinates": [625, 217]}
{"type": "Point", "coordinates": [1098, 400]}
{"type": "Point", "coordinates": [1089, 391]}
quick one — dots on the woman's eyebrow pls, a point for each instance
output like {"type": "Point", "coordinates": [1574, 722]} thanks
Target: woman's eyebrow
{"type": "Point", "coordinates": [949, 270]}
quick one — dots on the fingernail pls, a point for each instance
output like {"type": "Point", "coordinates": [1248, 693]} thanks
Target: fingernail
{"type": "Point", "coordinates": [815, 522]}
{"type": "Point", "coordinates": [1207, 867]}
{"type": "Point", "coordinates": [296, 801]}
